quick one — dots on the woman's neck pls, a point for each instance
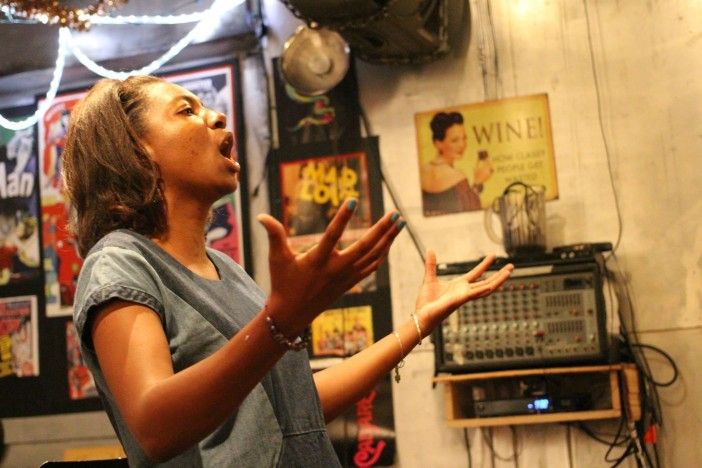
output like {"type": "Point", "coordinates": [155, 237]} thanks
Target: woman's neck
{"type": "Point", "coordinates": [184, 238]}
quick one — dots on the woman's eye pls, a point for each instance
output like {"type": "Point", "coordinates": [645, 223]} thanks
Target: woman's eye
{"type": "Point", "coordinates": [188, 111]}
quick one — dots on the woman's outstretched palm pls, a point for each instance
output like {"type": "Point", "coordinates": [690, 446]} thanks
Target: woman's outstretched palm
{"type": "Point", "coordinates": [437, 299]}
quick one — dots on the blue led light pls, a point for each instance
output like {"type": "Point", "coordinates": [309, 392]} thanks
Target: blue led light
{"type": "Point", "coordinates": [540, 404]}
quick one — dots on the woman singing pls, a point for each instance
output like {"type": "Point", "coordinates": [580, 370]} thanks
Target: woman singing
{"type": "Point", "coordinates": [195, 364]}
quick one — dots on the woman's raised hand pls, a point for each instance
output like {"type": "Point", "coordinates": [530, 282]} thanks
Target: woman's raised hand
{"type": "Point", "coordinates": [305, 284]}
{"type": "Point", "coordinates": [437, 299]}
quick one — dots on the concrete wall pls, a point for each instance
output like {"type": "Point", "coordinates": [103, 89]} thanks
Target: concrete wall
{"type": "Point", "coordinates": [626, 105]}
{"type": "Point", "coordinates": [625, 98]}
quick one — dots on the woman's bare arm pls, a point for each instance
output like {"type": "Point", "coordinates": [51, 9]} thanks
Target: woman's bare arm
{"type": "Point", "coordinates": [345, 383]}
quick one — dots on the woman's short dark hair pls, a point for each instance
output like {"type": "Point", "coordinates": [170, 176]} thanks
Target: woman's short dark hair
{"type": "Point", "coordinates": [442, 122]}
{"type": "Point", "coordinates": [109, 179]}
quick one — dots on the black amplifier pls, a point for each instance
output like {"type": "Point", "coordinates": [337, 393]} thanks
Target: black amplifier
{"type": "Point", "coordinates": [551, 311]}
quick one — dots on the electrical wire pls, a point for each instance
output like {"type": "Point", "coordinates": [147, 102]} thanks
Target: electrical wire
{"type": "Point", "coordinates": [419, 246]}
{"type": "Point", "coordinates": [615, 194]}
{"type": "Point", "coordinates": [667, 356]}
{"type": "Point", "coordinates": [487, 437]}
{"type": "Point", "coordinates": [651, 413]}
{"type": "Point", "coordinates": [468, 450]}
{"type": "Point", "coordinates": [600, 437]}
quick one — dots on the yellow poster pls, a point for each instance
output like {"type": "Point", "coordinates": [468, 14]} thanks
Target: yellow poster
{"type": "Point", "coordinates": [342, 332]}
{"type": "Point", "coordinates": [313, 190]}
{"type": "Point", "coordinates": [469, 154]}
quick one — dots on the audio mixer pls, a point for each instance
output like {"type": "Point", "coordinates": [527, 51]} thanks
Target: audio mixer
{"type": "Point", "coordinates": [550, 311]}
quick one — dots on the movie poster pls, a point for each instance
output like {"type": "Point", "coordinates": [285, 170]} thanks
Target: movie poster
{"type": "Point", "coordinates": [19, 337]}
{"type": "Point", "coordinates": [313, 190]}
{"type": "Point", "coordinates": [469, 154]}
{"type": "Point", "coordinates": [19, 222]}
{"type": "Point", "coordinates": [61, 260]}
{"type": "Point", "coordinates": [80, 381]}
{"type": "Point", "coordinates": [342, 332]}
{"type": "Point", "coordinates": [215, 87]}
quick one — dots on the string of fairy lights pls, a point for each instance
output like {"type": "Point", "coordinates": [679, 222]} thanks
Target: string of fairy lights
{"type": "Point", "coordinates": [47, 12]}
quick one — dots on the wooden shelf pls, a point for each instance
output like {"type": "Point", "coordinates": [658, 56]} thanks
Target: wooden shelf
{"type": "Point", "coordinates": [602, 383]}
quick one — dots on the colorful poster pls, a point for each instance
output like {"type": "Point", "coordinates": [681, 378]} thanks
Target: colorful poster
{"type": "Point", "coordinates": [364, 436]}
{"type": "Point", "coordinates": [80, 381]}
{"type": "Point", "coordinates": [469, 154]}
{"type": "Point", "coordinates": [19, 222]}
{"type": "Point", "coordinates": [61, 260]}
{"type": "Point", "coordinates": [342, 332]}
{"type": "Point", "coordinates": [303, 119]}
{"type": "Point", "coordinates": [19, 337]}
{"type": "Point", "coordinates": [313, 190]}
{"type": "Point", "coordinates": [215, 87]}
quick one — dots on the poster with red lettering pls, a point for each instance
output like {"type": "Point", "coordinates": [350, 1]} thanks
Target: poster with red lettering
{"type": "Point", "coordinates": [364, 436]}
{"type": "Point", "coordinates": [469, 153]}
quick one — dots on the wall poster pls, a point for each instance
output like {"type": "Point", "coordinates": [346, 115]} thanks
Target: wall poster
{"type": "Point", "coordinates": [39, 263]}
{"type": "Point", "coordinates": [342, 332]}
{"type": "Point", "coordinates": [468, 154]}
{"type": "Point", "coordinates": [218, 88]}
{"type": "Point", "coordinates": [303, 119]}
{"type": "Point", "coordinates": [19, 337]}
{"type": "Point", "coordinates": [19, 221]}
{"type": "Point", "coordinates": [61, 260]}
{"type": "Point", "coordinates": [313, 190]}
{"type": "Point", "coordinates": [308, 184]}
{"type": "Point", "coordinates": [81, 383]}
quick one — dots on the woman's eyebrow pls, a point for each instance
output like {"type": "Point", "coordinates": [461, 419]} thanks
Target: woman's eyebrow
{"type": "Point", "coordinates": [192, 100]}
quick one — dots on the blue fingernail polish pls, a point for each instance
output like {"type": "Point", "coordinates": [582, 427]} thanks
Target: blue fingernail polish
{"type": "Point", "coordinates": [351, 205]}
{"type": "Point", "coordinates": [400, 225]}
{"type": "Point", "coordinates": [394, 217]}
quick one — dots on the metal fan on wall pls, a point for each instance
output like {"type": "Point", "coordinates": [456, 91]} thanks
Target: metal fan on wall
{"type": "Point", "coordinates": [314, 60]}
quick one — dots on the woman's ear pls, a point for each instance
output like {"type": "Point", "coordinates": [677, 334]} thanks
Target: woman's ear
{"type": "Point", "coordinates": [146, 149]}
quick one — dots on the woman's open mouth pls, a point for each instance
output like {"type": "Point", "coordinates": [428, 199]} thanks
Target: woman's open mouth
{"type": "Point", "coordinates": [225, 148]}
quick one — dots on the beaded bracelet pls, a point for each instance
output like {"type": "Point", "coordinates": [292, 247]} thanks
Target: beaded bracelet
{"type": "Point", "coordinates": [419, 329]}
{"type": "Point", "coordinates": [296, 344]}
{"type": "Point", "coordinates": [400, 364]}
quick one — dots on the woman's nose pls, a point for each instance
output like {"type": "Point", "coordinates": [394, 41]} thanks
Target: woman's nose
{"type": "Point", "coordinates": [217, 119]}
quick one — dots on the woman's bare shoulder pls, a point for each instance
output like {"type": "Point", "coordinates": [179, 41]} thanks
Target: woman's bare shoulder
{"type": "Point", "coordinates": [439, 178]}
